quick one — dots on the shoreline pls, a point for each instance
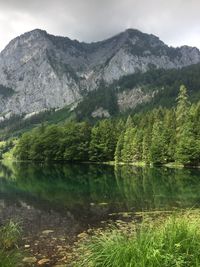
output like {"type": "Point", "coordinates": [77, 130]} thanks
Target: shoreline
{"type": "Point", "coordinates": [110, 163]}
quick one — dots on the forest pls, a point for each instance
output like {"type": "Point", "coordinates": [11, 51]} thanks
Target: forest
{"type": "Point", "coordinates": [160, 136]}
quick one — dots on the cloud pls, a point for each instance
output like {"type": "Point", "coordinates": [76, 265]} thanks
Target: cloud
{"type": "Point", "coordinates": [176, 22]}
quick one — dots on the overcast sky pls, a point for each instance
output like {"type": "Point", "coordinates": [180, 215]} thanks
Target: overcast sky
{"type": "Point", "coordinates": [176, 22]}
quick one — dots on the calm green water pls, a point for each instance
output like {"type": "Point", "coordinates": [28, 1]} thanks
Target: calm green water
{"type": "Point", "coordinates": [86, 194]}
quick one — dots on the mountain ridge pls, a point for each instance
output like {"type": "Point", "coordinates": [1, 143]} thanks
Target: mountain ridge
{"type": "Point", "coordinates": [45, 71]}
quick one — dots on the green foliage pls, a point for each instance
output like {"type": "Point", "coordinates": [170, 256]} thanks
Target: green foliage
{"type": "Point", "coordinates": [175, 242]}
{"type": "Point", "coordinates": [167, 82]}
{"type": "Point", "coordinates": [163, 84]}
{"type": "Point", "coordinates": [163, 136]}
{"type": "Point", "coordinates": [9, 235]}
{"type": "Point", "coordinates": [68, 142]}
{"type": "Point", "coordinates": [5, 147]}
{"type": "Point", "coordinates": [119, 147]}
{"type": "Point", "coordinates": [10, 258]}
{"type": "Point", "coordinates": [182, 110]}
{"type": "Point", "coordinates": [128, 145]}
{"type": "Point", "coordinates": [102, 97]}
{"type": "Point", "coordinates": [75, 142]}
{"type": "Point", "coordinates": [103, 141]}
{"type": "Point", "coordinates": [158, 137]}
{"type": "Point", "coordinates": [17, 125]}
{"type": "Point", "coordinates": [187, 147]}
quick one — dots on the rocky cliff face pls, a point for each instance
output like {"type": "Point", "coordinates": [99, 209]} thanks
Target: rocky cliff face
{"type": "Point", "coordinates": [40, 71]}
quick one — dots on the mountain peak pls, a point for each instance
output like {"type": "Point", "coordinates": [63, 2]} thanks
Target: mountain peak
{"type": "Point", "coordinates": [141, 38]}
{"type": "Point", "coordinates": [25, 38]}
{"type": "Point", "coordinates": [46, 71]}
{"type": "Point", "coordinates": [132, 31]}
{"type": "Point", "coordinates": [36, 33]}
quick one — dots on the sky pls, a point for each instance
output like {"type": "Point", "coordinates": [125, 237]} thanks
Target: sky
{"type": "Point", "coordinates": [176, 22]}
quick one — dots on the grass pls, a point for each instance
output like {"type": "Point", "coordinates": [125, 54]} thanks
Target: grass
{"type": "Point", "coordinates": [173, 242]}
{"type": "Point", "coordinates": [10, 255]}
{"type": "Point", "coordinates": [10, 258]}
{"type": "Point", "coordinates": [9, 235]}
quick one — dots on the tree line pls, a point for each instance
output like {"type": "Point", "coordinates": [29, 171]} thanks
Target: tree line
{"type": "Point", "coordinates": [159, 137]}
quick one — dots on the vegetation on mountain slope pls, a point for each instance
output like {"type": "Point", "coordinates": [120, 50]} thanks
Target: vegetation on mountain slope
{"type": "Point", "coordinates": [161, 136]}
{"type": "Point", "coordinates": [165, 84]}
{"type": "Point", "coordinates": [162, 85]}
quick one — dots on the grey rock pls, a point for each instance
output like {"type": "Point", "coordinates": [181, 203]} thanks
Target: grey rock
{"type": "Point", "coordinates": [44, 71]}
{"type": "Point", "coordinates": [131, 98]}
{"type": "Point", "coordinates": [100, 113]}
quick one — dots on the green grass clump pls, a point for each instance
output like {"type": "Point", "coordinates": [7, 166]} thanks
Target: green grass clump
{"type": "Point", "coordinates": [9, 235]}
{"type": "Point", "coordinates": [175, 242]}
{"type": "Point", "coordinates": [10, 258]}
{"type": "Point", "coordinates": [10, 255]}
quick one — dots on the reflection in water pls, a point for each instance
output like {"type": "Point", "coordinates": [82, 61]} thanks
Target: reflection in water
{"type": "Point", "coordinates": [88, 193]}
{"type": "Point", "coordinates": [158, 188]}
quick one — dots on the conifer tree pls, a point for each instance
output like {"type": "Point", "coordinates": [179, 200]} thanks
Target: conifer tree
{"type": "Point", "coordinates": [158, 144]}
{"type": "Point", "coordinates": [119, 148]}
{"type": "Point", "coordinates": [186, 150]}
{"type": "Point", "coordinates": [169, 125]}
{"type": "Point", "coordinates": [129, 135]}
{"type": "Point", "coordinates": [103, 141]}
{"type": "Point", "coordinates": [146, 143]}
{"type": "Point", "coordinates": [182, 109]}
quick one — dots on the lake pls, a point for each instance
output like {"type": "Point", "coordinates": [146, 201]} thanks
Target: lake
{"type": "Point", "coordinates": [69, 198]}
{"type": "Point", "coordinates": [93, 192]}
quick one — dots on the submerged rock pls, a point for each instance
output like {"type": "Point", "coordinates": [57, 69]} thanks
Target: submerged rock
{"type": "Point", "coordinates": [43, 261]}
{"type": "Point", "coordinates": [29, 260]}
{"type": "Point", "coordinates": [46, 232]}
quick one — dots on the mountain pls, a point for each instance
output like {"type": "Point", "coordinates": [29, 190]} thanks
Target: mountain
{"type": "Point", "coordinates": [39, 71]}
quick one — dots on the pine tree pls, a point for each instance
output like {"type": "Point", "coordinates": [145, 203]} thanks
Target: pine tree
{"type": "Point", "coordinates": [147, 124]}
{"type": "Point", "coordinates": [119, 147]}
{"type": "Point", "coordinates": [103, 141]}
{"type": "Point", "coordinates": [146, 144]}
{"type": "Point", "coordinates": [186, 148]}
{"type": "Point", "coordinates": [129, 135]}
{"type": "Point", "coordinates": [158, 144]}
{"type": "Point", "coordinates": [170, 134]}
{"type": "Point", "coordinates": [182, 109]}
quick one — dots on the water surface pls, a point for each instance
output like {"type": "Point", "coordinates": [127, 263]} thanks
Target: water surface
{"type": "Point", "coordinates": [72, 197]}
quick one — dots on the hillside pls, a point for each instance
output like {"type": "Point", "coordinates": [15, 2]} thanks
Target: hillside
{"type": "Point", "coordinates": [140, 92]}
{"type": "Point", "coordinates": [130, 94]}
